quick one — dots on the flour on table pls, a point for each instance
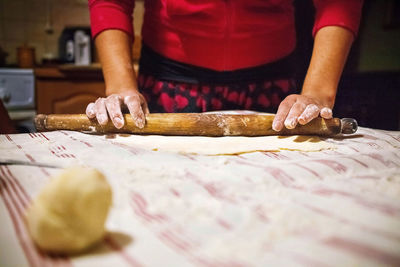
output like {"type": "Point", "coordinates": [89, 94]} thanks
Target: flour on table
{"type": "Point", "coordinates": [222, 145]}
{"type": "Point", "coordinates": [227, 145]}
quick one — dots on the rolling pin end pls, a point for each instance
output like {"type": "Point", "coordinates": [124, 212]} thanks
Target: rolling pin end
{"type": "Point", "coordinates": [349, 126]}
{"type": "Point", "coordinates": [40, 122]}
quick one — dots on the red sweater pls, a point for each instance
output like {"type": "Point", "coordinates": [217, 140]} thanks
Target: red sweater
{"type": "Point", "coordinates": [221, 34]}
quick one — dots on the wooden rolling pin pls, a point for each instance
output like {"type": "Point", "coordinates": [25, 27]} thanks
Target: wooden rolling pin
{"type": "Point", "coordinates": [200, 124]}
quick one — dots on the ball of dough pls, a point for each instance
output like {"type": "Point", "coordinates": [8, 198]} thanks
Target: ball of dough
{"type": "Point", "coordinates": [68, 215]}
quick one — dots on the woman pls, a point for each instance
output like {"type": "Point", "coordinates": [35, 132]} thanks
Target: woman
{"type": "Point", "coordinates": [219, 54]}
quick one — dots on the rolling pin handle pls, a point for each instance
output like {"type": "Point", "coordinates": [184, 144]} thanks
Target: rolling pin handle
{"type": "Point", "coordinates": [348, 125]}
{"type": "Point", "coordinates": [40, 122]}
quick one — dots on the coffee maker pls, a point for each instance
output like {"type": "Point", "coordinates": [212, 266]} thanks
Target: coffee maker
{"type": "Point", "coordinates": [75, 46]}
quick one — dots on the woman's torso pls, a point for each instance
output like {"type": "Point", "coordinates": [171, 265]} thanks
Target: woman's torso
{"type": "Point", "coordinates": [219, 34]}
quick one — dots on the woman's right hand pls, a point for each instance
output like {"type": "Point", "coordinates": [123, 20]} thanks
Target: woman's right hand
{"type": "Point", "coordinates": [112, 107]}
{"type": "Point", "coordinates": [114, 48]}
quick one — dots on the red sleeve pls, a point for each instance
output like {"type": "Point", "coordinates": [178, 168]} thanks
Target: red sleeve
{"type": "Point", "coordinates": [111, 14]}
{"type": "Point", "coordinates": [344, 13]}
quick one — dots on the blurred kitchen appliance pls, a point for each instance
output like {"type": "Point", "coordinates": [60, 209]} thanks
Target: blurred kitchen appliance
{"type": "Point", "coordinates": [75, 46]}
{"type": "Point", "coordinates": [82, 48]}
{"type": "Point", "coordinates": [17, 92]}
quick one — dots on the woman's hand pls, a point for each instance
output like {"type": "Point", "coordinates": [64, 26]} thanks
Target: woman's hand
{"type": "Point", "coordinates": [301, 109]}
{"type": "Point", "coordinates": [113, 105]}
{"type": "Point", "coordinates": [331, 47]}
{"type": "Point", "coordinates": [115, 52]}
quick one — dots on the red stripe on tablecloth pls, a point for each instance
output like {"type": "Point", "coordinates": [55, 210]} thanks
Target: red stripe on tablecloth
{"type": "Point", "coordinates": [130, 149]}
{"type": "Point", "coordinates": [380, 207]}
{"type": "Point", "coordinates": [351, 157]}
{"type": "Point", "coordinates": [167, 236]}
{"type": "Point", "coordinates": [31, 159]}
{"type": "Point", "coordinates": [397, 138]}
{"type": "Point", "coordinates": [309, 170]}
{"type": "Point", "coordinates": [281, 176]}
{"type": "Point", "coordinates": [42, 257]}
{"type": "Point", "coordinates": [381, 159]}
{"type": "Point", "coordinates": [115, 246]}
{"type": "Point", "coordinates": [45, 171]}
{"type": "Point", "coordinates": [141, 206]}
{"type": "Point", "coordinates": [355, 149]}
{"type": "Point", "coordinates": [358, 161]}
{"type": "Point", "coordinates": [26, 154]}
{"type": "Point", "coordinates": [382, 233]}
{"type": "Point", "coordinates": [186, 247]}
{"type": "Point", "coordinates": [175, 192]}
{"type": "Point", "coordinates": [86, 143]}
{"type": "Point", "coordinates": [14, 183]}
{"type": "Point", "coordinates": [224, 224]}
{"type": "Point", "coordinates": [23, 201]}
{"type": "Point", "coordinates": [42, 134]}
{"type": "Point", "coordinates": [175, 241]}
{"type": "Point", "coordinates": [304, 260]}
{"type": "Point", "coordinates": [21, 212]}
{"type": "Point", "coordinates": [16, 220]}
{"type": "Point", "coordinates": [333, 164]}
{"type": "Point", "coordinates": [211, 188]}
{"type": "Point", "coordinates": [274, 155]}
{"type": "Point", "coordinates": [9, 138]}
{"type": "Point", "coordinates": [139, 210]}
{"type": "Point", "coordinates": [363, 250]}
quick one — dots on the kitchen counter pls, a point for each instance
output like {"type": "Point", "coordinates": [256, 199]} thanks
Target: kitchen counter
{"type": "Point", "coordinates": [72, 69]}
{"type": "Point", "coordinates": [68, 88]}
{"type": "Point", "coordinates": [63, 71]}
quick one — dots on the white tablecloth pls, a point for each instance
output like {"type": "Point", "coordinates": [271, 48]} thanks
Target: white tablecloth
{"type": "Point", "coordinates": [329, 208]}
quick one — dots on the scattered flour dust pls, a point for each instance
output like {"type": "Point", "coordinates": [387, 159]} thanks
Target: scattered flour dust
{"type": "Point", "coordinates": [223, 145]}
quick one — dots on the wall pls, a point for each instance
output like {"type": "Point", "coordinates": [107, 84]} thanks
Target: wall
{"type": "Point", "coordinates": [24, 21]}
{"type": "Point", "coordinates": [379, 48]}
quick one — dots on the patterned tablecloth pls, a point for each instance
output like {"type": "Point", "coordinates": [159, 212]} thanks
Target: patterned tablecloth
{"type": "Point", "coordinates": [330, 208]}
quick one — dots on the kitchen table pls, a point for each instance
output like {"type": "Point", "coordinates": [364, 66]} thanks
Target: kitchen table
{"type": "Point", "coordinates": [337, 207]}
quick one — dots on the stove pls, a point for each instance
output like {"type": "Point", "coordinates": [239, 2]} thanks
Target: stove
{"type": "Point", "coordinates": [17, 91]}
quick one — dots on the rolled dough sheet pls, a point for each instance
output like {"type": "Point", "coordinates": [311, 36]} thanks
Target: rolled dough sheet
{"type": "Point", "coordinates": [223, 145]}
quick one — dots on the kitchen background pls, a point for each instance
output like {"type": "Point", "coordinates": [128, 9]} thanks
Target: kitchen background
{"type": "Point", "coordinates": [369, 91]}
{"type": "Point", "coordinates": [39, 23]}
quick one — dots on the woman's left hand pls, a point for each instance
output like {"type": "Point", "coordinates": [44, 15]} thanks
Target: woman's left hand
{"type": "Point", "coordinates": [331, 46]}
{"type": "Point", "coordinates": [299, 109]}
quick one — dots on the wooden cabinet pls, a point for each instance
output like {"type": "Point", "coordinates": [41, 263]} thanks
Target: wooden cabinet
{"type": "Point", "coordinates": [67, 89]}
